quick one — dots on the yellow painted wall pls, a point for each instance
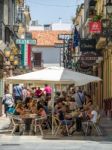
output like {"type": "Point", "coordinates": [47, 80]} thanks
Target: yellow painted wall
{"type": "Point", "coordinates": [100, 6]}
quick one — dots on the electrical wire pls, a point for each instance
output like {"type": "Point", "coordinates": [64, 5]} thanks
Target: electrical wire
{"type": "Point", "coordinates": [50, 5]}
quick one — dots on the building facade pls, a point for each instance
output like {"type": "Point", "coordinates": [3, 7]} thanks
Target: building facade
{"type": "Point", "coordinates": [49, 49]}
{"type": "Point", "coordinates": [97, 25]}
{"type": "Point", "coordinates": [14, 20]}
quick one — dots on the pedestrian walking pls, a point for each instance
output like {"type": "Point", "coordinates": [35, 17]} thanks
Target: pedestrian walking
{"type": "Point", "coordinates": [7, 103]}
{"type": "Point", "coordinates": [17, 93]}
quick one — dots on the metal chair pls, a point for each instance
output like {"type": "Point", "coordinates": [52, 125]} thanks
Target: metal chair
{"type": "Point", "coordinates": [38, 124]}
{"type": "Point", "coordinates": [59, 125]}
{"type": "Point", "coordinates": [16, 122]}
{"type": "Point", "coordinates": [94, 125]}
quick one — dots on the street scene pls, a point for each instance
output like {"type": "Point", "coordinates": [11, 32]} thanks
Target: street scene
{"type": "Point", "coordinates": [55, 74]}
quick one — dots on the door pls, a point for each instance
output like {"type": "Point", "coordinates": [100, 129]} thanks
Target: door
{"type": "Point", "coordinates": [37, 59]}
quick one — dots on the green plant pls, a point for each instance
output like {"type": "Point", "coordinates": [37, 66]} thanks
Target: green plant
{"type": "Point", "coordinates": [97, 18]}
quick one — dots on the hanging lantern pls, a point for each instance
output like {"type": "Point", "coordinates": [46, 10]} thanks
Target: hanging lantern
{"type": "Point", "coordinates": [7, 52]}
{"type": "Point", "coordinates": [16, 62]}
{"type": "Point", "coordinates": [11, 58]}
{"type": "Point", "coordinates": [15, 50]}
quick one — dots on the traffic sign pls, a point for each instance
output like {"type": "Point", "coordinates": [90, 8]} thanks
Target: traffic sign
{"type": "Point", "coordinates": [24, 41]}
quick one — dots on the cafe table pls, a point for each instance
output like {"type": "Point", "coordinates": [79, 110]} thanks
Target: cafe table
{"type": "Point", "coordinates": [36, 122]}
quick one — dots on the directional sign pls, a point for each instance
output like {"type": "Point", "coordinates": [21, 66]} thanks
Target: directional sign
{"type": "Point", "coordinates": [24, 41]}
{"type": "Point", "coordinates": [64, 36]}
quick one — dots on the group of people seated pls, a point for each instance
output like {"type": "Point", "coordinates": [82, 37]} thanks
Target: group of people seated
{"type": "Point", "coordinates": [71, 107]}
{"type": "Point", "coordinates": [69, 111]}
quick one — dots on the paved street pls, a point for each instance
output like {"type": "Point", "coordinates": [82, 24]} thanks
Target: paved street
{"type": "Point", "coordinates": [34, 143]}
{"type": "Point", "coordinates": [4, 123]}
{"type": "Point", "coordinates": [76, 142]}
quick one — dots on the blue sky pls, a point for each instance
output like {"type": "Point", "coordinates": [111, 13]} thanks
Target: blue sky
{"type": "Point", "coordinates": [48, 11]}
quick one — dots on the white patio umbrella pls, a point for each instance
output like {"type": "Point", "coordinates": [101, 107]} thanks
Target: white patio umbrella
{"type": "Point", "coordinates": [52, 76]}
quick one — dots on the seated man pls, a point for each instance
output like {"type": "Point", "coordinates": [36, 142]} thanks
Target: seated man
{"type": "Point", "coordinates": [92, 116]}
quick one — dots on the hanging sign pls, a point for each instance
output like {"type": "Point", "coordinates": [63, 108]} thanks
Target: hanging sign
{"type": "Point", "coordinates": [88, 58]}
{"type": "Point", "coordinates": [95, 27]}
{"type": "Point", "coordinates": [87, 45]}
{"type": "Point", "coordinates": [83, 68]}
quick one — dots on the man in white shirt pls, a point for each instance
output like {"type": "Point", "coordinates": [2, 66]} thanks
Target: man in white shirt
{"type": "Point", "coordinates": [94, 116]}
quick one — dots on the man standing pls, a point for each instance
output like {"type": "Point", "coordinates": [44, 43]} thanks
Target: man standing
{"type": "Point", "coordinates": [7, 102]}
{"type": "Point", "coordinates": [47, 90]}
{"type": "Point", "coordinates": [38, 92]}
{"type": "Point", "coordinates": [17, 92]}
{"type": "Point", "coordinates": [79, 98]}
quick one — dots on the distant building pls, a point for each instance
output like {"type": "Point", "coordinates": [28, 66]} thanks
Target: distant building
{"type": "Point", "coordinates": [34, 23]}
{"type": "Point", "coordinates": [47, 52]}
{"type": "Point", "coordinates": [59, 26]}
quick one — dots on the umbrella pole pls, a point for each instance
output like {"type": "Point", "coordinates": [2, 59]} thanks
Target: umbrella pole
{"type": "Point", "coordinates": [52, 107]}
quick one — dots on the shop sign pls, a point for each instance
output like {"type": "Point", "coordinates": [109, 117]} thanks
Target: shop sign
{"type": "Point", "coordinates": [83, 68]}
{"type": "Point", "coordinates": [88, 58]}
{"type": "Point", "coordinates": [87, 45]}
{"type": "Point", "coordinates": [24, 41]}
{"type": "Point", "coordinates": [95, 27]}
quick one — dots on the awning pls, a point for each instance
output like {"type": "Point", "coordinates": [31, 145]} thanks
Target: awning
{"type": "Point", "coordinates": [54, 75]}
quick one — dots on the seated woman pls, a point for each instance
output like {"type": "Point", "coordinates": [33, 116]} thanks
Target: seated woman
{"type": "Point", "coordinates": [33, 107]}
{"type": "Point", "coordinates": [41, 111]}
{"type": "Point", "coordinates": [20, 110]}
{"type": "Point", "coordinates": [71, 103]}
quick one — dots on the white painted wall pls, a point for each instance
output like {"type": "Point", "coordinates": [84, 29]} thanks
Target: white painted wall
{"type": "Point", "coordinates": [36, 28]}
{"type": "Point", "coordinates": [50, 55]}
{"type": "Point", "coordinates": [54, 27]}
{"type": "Point", "coordinates": [62, 26]}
